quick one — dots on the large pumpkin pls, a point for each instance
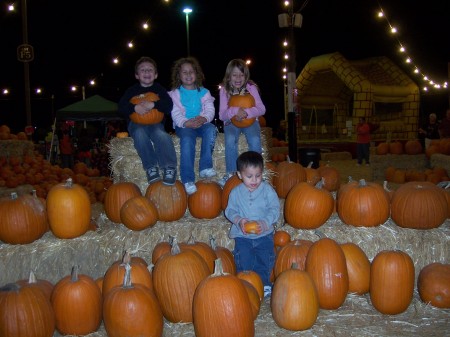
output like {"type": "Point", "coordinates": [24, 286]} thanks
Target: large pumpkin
{"type": "Point", "coordinates": [206, 203]}
{"type": "Point", "coordinates": [391, 281]}
{"type": "Point", "coordinates": [433, 284]}
{"type": "Point", "coordinates": [358, 267]}
{"type": "Point", "coordinates": [116, 195]}
{"type": "Point", "coordinates": [308, 207]}
{"type": "Point", "coordinates": [326, 264]}
{"type": "Point", "coordinates": [254, 279]}
{"type": "Point", "coordinates": [229, 185]}
{"type": "Point", "coordinates": [132, 310]}
{"type": "Point", "coordinates": [153, 116]}
{"type": "Point", "coordinates": [23, 219]}
{"type": "Point", "coordinates": [69, 210]}
{"type": "Point", "coordinates": [228, 263]}
{"type": "Point", "coordinates": [294, 252]}
{"type": "Point", "coordinates": [365, 204]}
{"type": "Point", "coordinates": [25, 311]}
{"type": "Point", "coordinates": [295, 301]}
{"type": "Point", "coordinates": [77, 302]}
{"type": "Point", "coordinates": [419, 205]}
{"type": "Point", "coordinates": [176, 276]}
{"type": "Point", "coordinates": [138, 213]}
{"type": "Point", "coordinates": [242, 101]}
{"type": "Point", "coordinates": [221, 306]}
{"type": "Point", "coordinates": [331, 177]}
{"type": "Point", "coordinates": [170, 201]}
{"type": "Point", "coordinates": [205, 251]}
{"type": "Point", "coordinates": [287, 176]}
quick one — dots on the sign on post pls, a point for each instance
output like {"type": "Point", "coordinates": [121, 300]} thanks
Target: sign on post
{"type": "Point", "coordinates": [25, 53]}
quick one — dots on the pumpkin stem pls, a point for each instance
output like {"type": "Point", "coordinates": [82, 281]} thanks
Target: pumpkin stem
{"type": "Point", "coordinates": [350, 179]}
{"type": "Point", "coordinates": [14, 195]}
{"type": "Point", "coordinates": [320, 183]}
{"type": "Point", "coordinates": [127, 277]}
{"type": "Point", "coordinates": [362, 182]}
{"type": "Point", "coordinates": [74, 273]}
{"type": "Point", "coordinates": [212, 241]}
{"type": "Point", "coordinates": [175, 247]}
{"type": "Point", "coordinates": [218, 268]}
{"type": "Point", "coordinates": [126, 258]}
{"type": "Point", "coordinates": [385, 186]}
{"type": "Point", "coordinates": [294, 265]}
{"type": "Point", "coordinates": [32, 277]}
{"type": "Point", "coordinates": [310, 164]}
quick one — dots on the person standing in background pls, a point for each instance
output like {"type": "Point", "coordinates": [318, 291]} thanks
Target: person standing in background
{"type": "Point", "coordinates": [66, 150]}
{"type": "Point", "coordinates": [444, 126]}
{"type": "Point", "coordinates": [363, 141]}
{"type": "Point", "coordinates": [431, 130]}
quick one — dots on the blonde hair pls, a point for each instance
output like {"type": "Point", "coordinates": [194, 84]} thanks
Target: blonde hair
{"type": "Point", "coordinates": [242, 66]}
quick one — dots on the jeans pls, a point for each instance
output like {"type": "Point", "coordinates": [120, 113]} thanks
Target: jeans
{"type": "Point", "coordinates": [231, 133]}
{"type": "Point", "coordinates": [154, 145]}
{"type": "Point", "coordinates": [188, 137]}
{"type": "Point", "coordinates": [363, 152]}
{"type": "Point", "coordinates": [255, 254]}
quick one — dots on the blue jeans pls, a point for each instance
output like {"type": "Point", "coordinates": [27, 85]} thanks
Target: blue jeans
{"type": "Point", "coordinates": [188, 137]}
{"type": "Point", "coordinates": [255, 254]}
{"type": "Point", "coordinates": [232, 133]}
{"type": "Point", "coordinates": [363, 152]}
{"type": "Point", "coordinates": [154, 145]}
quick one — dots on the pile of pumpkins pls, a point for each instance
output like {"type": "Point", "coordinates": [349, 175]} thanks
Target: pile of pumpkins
{"type": "Point", "coordinates": [5, 134]}
{"type": "Point", "coordinates": [195, 282]}
{"type": "Point", "coordinates": [414, 146]}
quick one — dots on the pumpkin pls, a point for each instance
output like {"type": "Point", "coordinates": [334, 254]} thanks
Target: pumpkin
{"type": "Point", "coordinates": [331, 177]}
{"type": "Point", "coordinates": [228, 263]}
{"type": "Point", "coordinates": [206, 203]}
{"type": "Point", "coordinates": [391, 281]}
{"type": "Point", "coordinates": [358, 267]}
{"type": "Point", "coordinates": [280, 239]}
{"type": "Point", "coordinates": [221, 306]}
{"type": "Point", "coordinates": [364, 204]}
{"type": "Point", "coordinates": [382, 148]}
{"type": "Point", "coordinates": [419, 205]}
{"type": "Point", "coordinates": [114, 275]}
{"type": "Point", "coordinates": [326, 264]}
{"type": "Point", "coordinates": [175, 279]}
{"type": "Point", "coordinates": [395, 147]}
{"type": "Point", "coordinates": [116, 195]}
{"type": "Point", "coordinates": [312, 175]}
{"type": "Point", "coordinates": [295, 300]}
{"type": "Point", "coordinates": [122, 134]}
{"type": "Point", "coordinates": [23, 219]}
{"type": "Point", "coordinates": [413, 146]}
{"type": "Point", "coordinates": [138, 213]}
{"type": "Point", "coordinates": [161, 248]}
{"type": "Point", "coordinates": [77, 302]}
{"type": "Point", "coordinates": [44, 285]}
{"type": "Point", "coordinates": [308, 207]}
{"type": "Point", "coordinates": [132, 310]}
{"type": "Point", "coordinates": [243, 101]}
{"type": "Point", "coordinates": [231, 183]}
{"type": "Point", "coordinates": [254, 279]}
{"type": "Point", "coordinates": [203, 249]}
{"type": "Point", "coordinates": [251, 227]}
{"type": "Point", "coordinates": [294, 252]}
{"type": "Point", "coordinates": [68, 210]}
{"type": "Point", "coordinates": [153, 116]}
{"type": "Point", "coordinates": [170, 201]}
{"type": "Point", "coordinates": [287, 176]}
{"type": "Point", "coordinates": [25, 311]}
{"type": "Point", "coordinates": [433, 284]}
{"type": "Point", "coordinates": [253, 297]}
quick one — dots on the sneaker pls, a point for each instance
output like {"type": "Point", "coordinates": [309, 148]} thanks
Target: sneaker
{"type": "Point", "coordinates": [207, 173]}
{"type": "Point", "coordinates": [170, 176]}
{"type": "Point", "coordinates": [267, 291]}
{"type": "Point", "coordinates": [190, 188]}
{"type": "Point", "coordinates": [153, 174]}
{"type": "Point", "coordinates": [224, 179]}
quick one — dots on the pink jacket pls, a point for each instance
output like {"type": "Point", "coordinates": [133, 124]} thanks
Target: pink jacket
{"type": "Point", "coordinates": [226, 112]}
{"type": "Point", "coordinates": [179, 112]}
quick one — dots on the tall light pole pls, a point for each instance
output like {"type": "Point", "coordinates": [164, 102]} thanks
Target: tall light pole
{"type": "Point", "coordinates": [187, 11]}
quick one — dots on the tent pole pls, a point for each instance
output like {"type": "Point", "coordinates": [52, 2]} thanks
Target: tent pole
{"type": "Point", "coordinates": [51, 143]}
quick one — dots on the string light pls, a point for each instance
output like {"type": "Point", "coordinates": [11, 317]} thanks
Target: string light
{"type": "Point", "coordinates": [408, 59]}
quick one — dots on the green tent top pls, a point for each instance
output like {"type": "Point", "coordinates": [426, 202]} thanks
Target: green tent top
{"type": "Point", "coordinates": [94, 108]}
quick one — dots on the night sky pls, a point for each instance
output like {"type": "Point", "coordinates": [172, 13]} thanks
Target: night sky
{"type": "Point", "coordinates": [75, 41]}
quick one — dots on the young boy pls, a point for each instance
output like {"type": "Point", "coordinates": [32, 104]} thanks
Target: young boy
{"type": "Point", "coordinates": [153, 144]}
{"type": "Point", "coordinates": [254, 200]}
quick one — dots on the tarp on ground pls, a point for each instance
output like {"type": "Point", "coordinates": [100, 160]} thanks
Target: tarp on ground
{"type": "Point", "coordinates": [94, 108]}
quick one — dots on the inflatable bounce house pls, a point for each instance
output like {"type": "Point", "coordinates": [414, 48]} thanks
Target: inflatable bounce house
{"type": "Point", "coordinates": [333, 93]}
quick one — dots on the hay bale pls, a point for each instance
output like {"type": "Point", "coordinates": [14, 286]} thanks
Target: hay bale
{"type": "Point", "coordinates": [440, 160]}
{"type": "Point", "coordinates": [326, 156]}
{"type": "Point", "coordinates": [19, 148]}
{"type": "Point", "coordinates": [126, 165]}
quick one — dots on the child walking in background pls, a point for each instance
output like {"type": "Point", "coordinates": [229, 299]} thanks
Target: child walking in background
{"type": "Point", "coordinates": [239, 101]}
{"type": "Point", "coordinates": [192, 114]}
{"type": "Point", "coordinates": [253, 200]}
{"type": "Point", "coordinates": [363, 141]}
{"type": "Point", "coordinates": [153, 144]}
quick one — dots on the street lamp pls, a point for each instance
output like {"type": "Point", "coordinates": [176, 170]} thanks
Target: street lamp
{"type": "Point", "coordinates": [187, 11]}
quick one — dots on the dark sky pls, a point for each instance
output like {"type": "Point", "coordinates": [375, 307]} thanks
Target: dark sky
{"type": "Point", "coordinates": [75, 41]}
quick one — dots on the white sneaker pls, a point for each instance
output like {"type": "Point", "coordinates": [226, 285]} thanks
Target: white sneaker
{"type": "Point", "coordinates": [207, 173]}
{"type": "Point", "coordinates": [267, 291]}
{"type": "Point", "coordinates": [224, 179]}
{"type": "Point", "coordinates": [190, 188]}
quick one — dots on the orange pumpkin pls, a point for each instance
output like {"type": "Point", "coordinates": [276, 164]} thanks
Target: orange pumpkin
{"type": "Point", "coordinates": [391, 281]}
{"type": "Point", "coordinates": [254, 279]}
{"type": "Point", "coordinates": [206, 203]}
{"type": "Point", "coordinates": [229, 185]}
{"type": "Point", "coordinates": [358, 267]}
{"type": "Point", "coordinates": [287, 176]}
{"type": "Point", "coordinates": [203, 249]}
{"type": "Point", "coordinates": [253, 296]}
{"type": "Point", "coordinates": [170, 201]}
{"type": "Point", "coordinates": [138, 213]}
{"type": "Point", "coordinates": [116, 196]}
{"type": "Point", "coordinates": [433, 284]}
{"type": "Point", "coordinates": [242, 101]}
{"type": "Point", "coordinates": [251, 227]}
{"type": "Point", "coordinates": [281, 238]}
{"type": "Point", "coordinates": [153, 116]}
{"type": "Point", "coordinates": [294, 252]}
{"type": "Point", "coordinates": [413, 146]}
{"type": "Point", "coordinates": [228, 263]}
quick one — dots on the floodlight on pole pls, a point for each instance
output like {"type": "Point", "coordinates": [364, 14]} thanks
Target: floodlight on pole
{"type": "Point", "coordinates": [187, 11]}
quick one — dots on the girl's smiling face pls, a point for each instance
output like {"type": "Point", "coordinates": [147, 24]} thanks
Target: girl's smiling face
{"type": "Point", "coordinates": [251, 176]}
{"type": "Point", "coordinates": [237, 78]}
{"type": "Point", "coordinates": [188, 76]}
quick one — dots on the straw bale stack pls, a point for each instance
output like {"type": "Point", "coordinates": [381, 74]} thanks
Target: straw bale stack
{"type": "Point", "coordinates": [12, 147]}
{"type": "Point", "coordinates": [380, 163]}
